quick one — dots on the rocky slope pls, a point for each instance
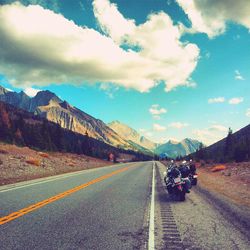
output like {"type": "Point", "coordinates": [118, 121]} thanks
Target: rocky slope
{"type": "Point", "coordinates": [48, 105]}
{"type": "Point", "coordinates": [22, 163]}
{"type": "Point", "coordinates": [132, 135]}
{"type": "Point", "coordinates": [174, 149]}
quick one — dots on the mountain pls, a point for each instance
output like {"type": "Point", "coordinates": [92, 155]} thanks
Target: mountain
{"type": "Point", "coordinates": [174, 149]}
{"type": "Point", "coordinates": [235, 147]}
{"type": "Point", "coordinates": [20, 127]}
{"type": "Point", "coordinates": [20, 100]}
{"type": "Point", "coordinates": [47, 105]}
{"type": "Point", "coordinates": [131, 135]}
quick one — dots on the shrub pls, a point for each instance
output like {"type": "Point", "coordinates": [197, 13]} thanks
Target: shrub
{"type": "Point", "coordinates": [35, 162]}
{"type": "Point", "coordinates": [42, 154]}
{"type": "Point", "coordinates": [218, 168]}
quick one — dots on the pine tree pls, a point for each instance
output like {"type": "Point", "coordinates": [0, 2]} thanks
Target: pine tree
{"type": "Point", "coordinates": [86, 145]}
{"type": "Point", "coordinates": [228, 149]}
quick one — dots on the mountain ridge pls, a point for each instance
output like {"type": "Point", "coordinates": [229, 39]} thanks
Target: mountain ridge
{"type": "Point", "coordinates": [23, 128]}
{"type": "Point", "coordinates": [175, 149]}
{"type": "Point", "coordinates": [234, 147]}
{"type": "Point", "coordinates": [131, 134]}
{"type": "Point", "coordinates": [47, 105]}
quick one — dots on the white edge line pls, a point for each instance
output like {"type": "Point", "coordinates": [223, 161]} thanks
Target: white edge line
{"type": "Point", "coordinates": [151, 240]}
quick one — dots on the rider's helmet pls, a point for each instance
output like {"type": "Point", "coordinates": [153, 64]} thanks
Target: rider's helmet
{"type": "Point", "coordinates": [184, 162]}
{"type": "Point", "coordinates": [172, 161]}
{"type": "Point", "coordinates": [190, 160]}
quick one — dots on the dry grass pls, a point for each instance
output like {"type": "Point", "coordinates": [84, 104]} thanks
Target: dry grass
{"type": "Point", "coordinates": [218, 168]}
{"type": "Point", "coordinates": [44, 155]}
{"type": "Point", "coordinates": [72, 164]}
{"type": "Point", "coordinates": [35, 162]}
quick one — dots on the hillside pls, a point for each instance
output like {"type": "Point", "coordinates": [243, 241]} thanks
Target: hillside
{"type": "Point", "coordinates": [174, 149]}
{"type": "Point", "coordinates": [23, 163]}
{"type": "Point", "coordinates": [235, 147]}
{"type": "Point", "coordinates": [26, 129]}
{"type": "Point", "coordinates": [46, 104]}
{"type": "Point", "coordinates": [132, 135]}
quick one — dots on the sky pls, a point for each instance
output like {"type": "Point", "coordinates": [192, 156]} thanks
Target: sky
{"type": "Point", "coordinates": [170, 69]}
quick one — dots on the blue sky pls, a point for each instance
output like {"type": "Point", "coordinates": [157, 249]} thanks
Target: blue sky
{"type": "Point", "coordinates": [169, 69]}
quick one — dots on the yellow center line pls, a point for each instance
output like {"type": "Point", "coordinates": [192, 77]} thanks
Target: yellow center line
{"type": "Point", "coordinates": [43, 203]}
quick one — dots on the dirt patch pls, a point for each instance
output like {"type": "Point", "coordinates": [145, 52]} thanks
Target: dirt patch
{"type": "Point", "coordinates": [22, 163]}
{"type": "Point", "coordinates": [218, 168]}
{"type": "Point", "coordinates": [233, 181]}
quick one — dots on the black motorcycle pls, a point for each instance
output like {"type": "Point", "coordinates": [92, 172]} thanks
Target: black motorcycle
{"type": "Point", "coordinates": [193, 176]}
{"type": "Point", "coordinates": [176, 185]}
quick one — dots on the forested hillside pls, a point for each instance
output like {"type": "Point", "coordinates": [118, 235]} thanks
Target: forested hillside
{"type": "Point", "coordinates": [26, 129]}
{"type": "Point", "coordinates": [235, 147]}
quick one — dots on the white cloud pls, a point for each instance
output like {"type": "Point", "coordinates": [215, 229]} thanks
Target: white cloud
{"type": "Point", "coordinates": [172, 64]}
{"type": "Point", "coordinates": [10, 90]}
{"type": "Point", "coordinates": [149, 134]}
{"type": "Point", "coordinates": [156, 110]}
{"type": "Point", "coordinates": [238, 76]}
{"type": "Point", "coordinates": [31, 91]}
{"type": "Point", "coordinates": [211, 16]}
{"type": "Point", "coordinates": [56, 50]}
{"type": "Point", "coordinates": [248, 112]}
{"type": "Point", "coordinates": [158, 127]}
{"type": "Point", "coordinates": [236, 100]}
{"type": "Point", "coordinates": [218, 127]}
{"type": "Point", "coordinates": [111, 20]}
{"type": "Point", "coordinates": [216, 100]}
{"type": "Point", "coordinates": [178, 125]}
{"type": "Point", "coordinates": [210, 135]}
{"type": "Point", "coordinates": [109, 89]}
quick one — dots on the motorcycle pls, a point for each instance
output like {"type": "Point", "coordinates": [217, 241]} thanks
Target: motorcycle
{"type": "Point", "coordinates": [194, 179]}
{"type": "Point", "coordinates": [175, 184]}
{"type": "Point", "coordinates": [193, 176]}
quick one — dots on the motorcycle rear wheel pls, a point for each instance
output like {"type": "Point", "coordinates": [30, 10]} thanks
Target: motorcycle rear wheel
{"type": "Point", "coordinates": [194, 182]}
{"type": "Point", "coordinates": [182, 196]}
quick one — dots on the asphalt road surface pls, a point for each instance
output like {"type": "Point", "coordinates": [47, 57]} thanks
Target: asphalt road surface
{"type": "Point", "coordinates": [110, 208]}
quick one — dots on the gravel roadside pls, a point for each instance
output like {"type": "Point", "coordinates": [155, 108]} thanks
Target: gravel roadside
{"type": "Point", "coordinates": [207, 220]}
{"type": "Point", "coordinates": [22, 163]}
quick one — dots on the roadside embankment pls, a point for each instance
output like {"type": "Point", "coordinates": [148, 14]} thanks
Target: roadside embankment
{"type": "Point", "coordinates": [227, 187]}
{"type": "Point", "coordinates": [22, 163]}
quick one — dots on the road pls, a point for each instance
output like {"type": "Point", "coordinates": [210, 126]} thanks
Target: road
{"type": "Point", "coordinates": [110, 208]}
